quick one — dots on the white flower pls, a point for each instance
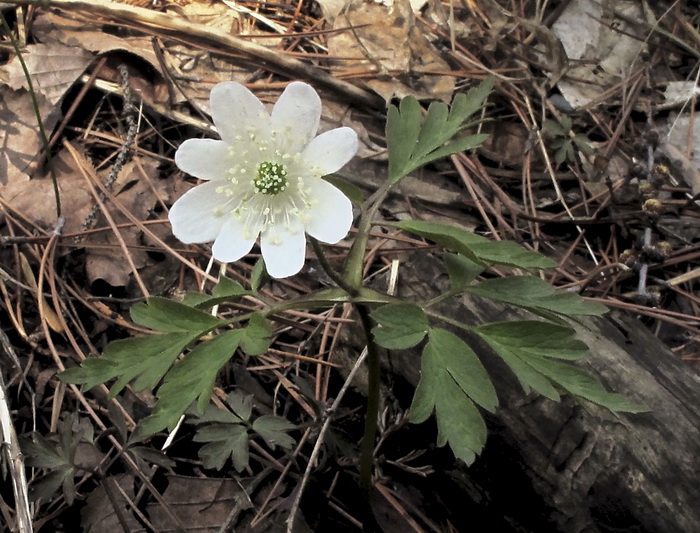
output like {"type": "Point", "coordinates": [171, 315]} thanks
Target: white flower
{"type": "Point", "coordinates": [264, 178]}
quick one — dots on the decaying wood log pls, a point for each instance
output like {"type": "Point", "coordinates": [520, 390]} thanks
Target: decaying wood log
{"type": "Point", "coordinates": [563, 467]}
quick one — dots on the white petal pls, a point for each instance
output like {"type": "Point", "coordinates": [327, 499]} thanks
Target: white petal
{"type": "Point", "coordinates": [284, 251]}
{"type": "Point", "coordinates": [237, 111]}
{"type": "Point", "coordinates": [207, 159]}
{"type": "Point", "coordinates": [296, 116]}
{"type": "Point", "coordinates": [331, 150]}
{"type": "Point", "coordinates": [192, 215]}
{"type": "Point", "coordinates": [330, 216]}
{"type": "Point", "coordinates": [231, 245]}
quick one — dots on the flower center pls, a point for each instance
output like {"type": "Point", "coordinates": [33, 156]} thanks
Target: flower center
{"type": "Point", "coordinates": [271, 178]}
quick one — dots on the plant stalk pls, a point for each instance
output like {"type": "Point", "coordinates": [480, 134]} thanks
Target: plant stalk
{"type": "Point", "coordinates": [372, 414]}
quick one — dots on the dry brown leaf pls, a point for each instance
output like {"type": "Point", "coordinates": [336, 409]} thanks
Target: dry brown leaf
{"type": "Point", "coordinates": [99, 514]}
{"type": "Point", "coordinates": [201, 504]}
{"type": "Point", "coordinates": [104, 259]}
{"type": "Point", "coordinates": [52, 67]}
{"type": "Point", "coordinates": [603, 48]}
{"type": "Point", "coordinates": [52, 28]}
{"type": "Point", "coordinates": [393, 48]}
{"type": "Point", "coordinates": [20, 144]}
{"type": "Point", "coordinates": [35, 198]}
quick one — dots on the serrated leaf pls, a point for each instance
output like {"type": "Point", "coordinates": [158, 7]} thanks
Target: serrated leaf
{"type": "Point", "coordinates": [352, 191]}
{"type": "Point", "coordinates": [474, 247]}
{"type": "Point", "coordinates": [465, 105]}
{"type": "Point", "coordinates": [155, 457]}
{"type": "Point", "coordinates": [230, 441]}
{"type": "Point", "coordinates": [432, 133]}
{"type": "Point", "coordinates": [41, 453]}
{"type": "Point", "coordinates": [161, 314]}
{"type": "Point", "coordinates": [257, 335]}
{"type": "Point", "coordinates": [48, 486]}
{"type": "Point", "coordinates": [401, 325]}
{"type": "Point", "coordinates": [412, 144]}
{"type": "Point", "coordinates": [241, 404]}
{"type": "Point", "coordinates": [462, 144]}
{"type": "Point", "coordinates": [402, 128]}
{"type": "Point", "coordinates": [272, 429]}
{"type": "Point", "coordinates": [580, 383]}
{"type": "Point", "coordinates": [195, 299]}
{"type": "Point", "coordinates": [533, 293]}
{"type": "Point", "coordinates": [215, 414]}
{"type": "Point", "coordinates": [191, 379]}
{"type": "Point", "coordinates": [147, 358]}
{"type": "Point", "coordinates": [452, 380]}
{"type": "Point", "coordinates": [518, 342]}
{"type": "Point", "coordinates": [227, 288]}
{"type": "Point", "coordinates": [461, 270]}
{"type": "Point", "coordinates": [532, 338]}
{"type": "Point", "coordinates": [554, 128]}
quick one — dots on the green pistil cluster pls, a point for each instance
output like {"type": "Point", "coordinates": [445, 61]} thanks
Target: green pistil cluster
{"type": "Point", "coordinates": [271, 178]}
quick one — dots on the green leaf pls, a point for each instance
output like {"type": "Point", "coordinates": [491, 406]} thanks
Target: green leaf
{"type": "Point", "coordinates": [153, 456]}
{"type": "Point", "coordinates": [452, 380]}
{"type": "Point", "coordinates": [401, 325]}
{"type": "Point", "coordinates": [41, 453]}
{"type": "Point", "coordinates": [465, 105]}
{"type": "Point", "coordinates": [191, 379]}
{"type": "Point", "coordinates": [432, 134]}
{"type": "Point", "coordinates": [147, 358]}
{"type": "Point", "coordinates": [518, 342]}
{"type": "Point", "coordinates": [258, 275]}
{"type": "Point", "coordinates": [350, 190]}
{"type": "Point", "coordinates": [48, 486]}
{"type": "Point", "coordinates": [161, 314]}
{"type": "Point", "coordinates": [534, 294]}
{"type": "Point", "coordinates": [412, 145]}
{"type": "Point", "coordinates": [580, 383]}
{"type": "Point", "coordinates": [225, 290]}
{"type": "Point", "coordinates": [223, 441]}
{"type": "Point", "coordinates": [462, 144]}
{"type": "Point", "coordinates": [554, 128]}
{"type": "Point", "coordinates": [272, 429]}
{"type": "Point", "coordinates": [531, 350]}
{"type": "Point", "coordinates": [582, 142]}
{"type": "Point", "coordinates": [257, 335]}
{"type": "Point", "coordinates": [461, 271]}
{"type": "Point", "coordinates": [402, 128]}
{"type": "Point", "coordinates": [241, 404]}
{"type": "Point", "coordinates": [476, 248]}
{"type": "Point", "coordinates": [195, 299]}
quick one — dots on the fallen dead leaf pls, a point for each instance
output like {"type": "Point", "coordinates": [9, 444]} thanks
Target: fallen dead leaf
{"type": "Point", "coordinates": [53, 69]}
{"type": "Point", "coordinates": [20, 143]}
{"type": "Point", "coordinates": [393, 49]}
{"type": "Point", "coordinates": [602, 48]}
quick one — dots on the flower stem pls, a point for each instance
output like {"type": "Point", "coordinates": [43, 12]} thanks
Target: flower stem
{"type": "Point", "coordinates": [328, 269]}
{"type": "Point", "coordinates": [352, 271]}
{"type": "Point", "coordinates": [370, 434]}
